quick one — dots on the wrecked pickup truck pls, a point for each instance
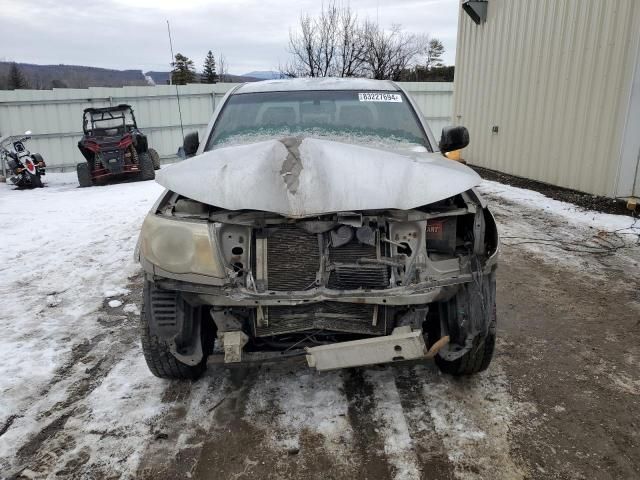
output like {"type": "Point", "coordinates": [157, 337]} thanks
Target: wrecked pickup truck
{"type": "Point", "coordinates": [318, 218]}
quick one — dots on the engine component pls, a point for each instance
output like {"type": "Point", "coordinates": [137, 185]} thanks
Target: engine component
{"type": "Point", "coordinates": [341, 236]}
{"type": "Point", "coordinates": [441, 235]}
{"type": "Point", "coordinates": [366, 235]}
{"type": "Point", "coordinates": [293, 258]}
{"type": "Point", "coordinates": [348, 273]}
{"type": "Point", "coordinates": [233, 343]}
{"type": "Point", "coordinates": [334, 316]}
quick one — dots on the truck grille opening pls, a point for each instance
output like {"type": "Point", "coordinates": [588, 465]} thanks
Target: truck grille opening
{"type": "Point", "coordinates": [331, 316]}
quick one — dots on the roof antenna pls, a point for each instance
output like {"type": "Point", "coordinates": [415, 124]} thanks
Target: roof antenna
{"type": "Point", "coordinates": [170, 80]}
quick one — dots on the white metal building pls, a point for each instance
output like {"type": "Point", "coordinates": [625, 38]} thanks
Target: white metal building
{"type": "Point", "coordinates": [550, 90]}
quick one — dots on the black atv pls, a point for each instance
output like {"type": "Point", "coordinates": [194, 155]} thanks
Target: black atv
{"type": "Point", "coordinates": [114, 147]}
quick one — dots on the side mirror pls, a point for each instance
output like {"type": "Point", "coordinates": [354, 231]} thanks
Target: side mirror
{"type": "Point", "coordinates": [191, 144]}
{"type": "Point", "coordinates": [453, 138]}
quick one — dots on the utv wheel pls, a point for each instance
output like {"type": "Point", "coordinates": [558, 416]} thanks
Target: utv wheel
{"type": "Point", "coordinates": [158, 356]}
{"type": "Point", "coordinates": [84, 175]}
{"type": "Point", "coordinates": [155, 157]}
{"type": "Point", "coordinates": [145, 163]}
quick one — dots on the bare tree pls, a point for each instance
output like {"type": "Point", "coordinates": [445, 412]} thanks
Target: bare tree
{"type": "Point", "coordinates": [389, 53]}
{"type": "Point", "coordinates": [352, 48]}
{"type": "Point", "coordinates": [336, 43]}
{"type": "Point", "coordinates": [223, 69]}
{"type": "Point", "coordinates": [313, 46]}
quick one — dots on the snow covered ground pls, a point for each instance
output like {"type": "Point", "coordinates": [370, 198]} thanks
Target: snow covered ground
{"type": "Point", "coordinates": [76, 398]}
{"type": "Point", "coordinates": [564, 233]}
{"type": "Point", "coordinates": [65, 251]}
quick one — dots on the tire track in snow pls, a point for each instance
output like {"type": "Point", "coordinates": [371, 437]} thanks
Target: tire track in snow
{"type": "Point", "coordinates": [280, 421]}
{"type": "Point", "coordinates": [428, 444]}
{"type": "Point", "coordinates": [181, 433]}
{"type": "Point", "coordinates": [399, 446]}
{"type": "Point", "coordinates": [48, 444]}
{"type": "Point", "coordinates": [368, 444]}
{"type": "Point", "coordinates": [474, 418]}
{"type": "Point", "coordinates": [69, 430]}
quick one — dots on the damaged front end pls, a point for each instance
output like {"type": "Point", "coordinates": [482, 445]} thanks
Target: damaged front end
{"type": "Point", "coordinates": [345, 289]}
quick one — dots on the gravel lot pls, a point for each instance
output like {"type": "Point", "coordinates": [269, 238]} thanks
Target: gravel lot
{"type": "Point", "coordinates": [560, 400]}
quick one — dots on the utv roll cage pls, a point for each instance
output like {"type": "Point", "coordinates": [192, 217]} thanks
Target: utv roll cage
{"type": "Point", "coordinates": [92, 117]}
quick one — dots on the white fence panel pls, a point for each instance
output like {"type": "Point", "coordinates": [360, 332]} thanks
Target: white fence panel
{"type": "Point", "coordinates": [55, 116]}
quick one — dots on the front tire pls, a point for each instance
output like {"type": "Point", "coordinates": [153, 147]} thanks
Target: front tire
{"type": "Point", "coordinates": [475, 360]}
{"type": "Point", "coordinates": [84, 175]}
{"type": "Point", "coordinates": [157, 352]}
{"type": "Point", "coordinates": [145, 163]}
{"type": "Point", "coordinates": [155, 157]}
{"type": "Point", "coordinates": [473, 305]}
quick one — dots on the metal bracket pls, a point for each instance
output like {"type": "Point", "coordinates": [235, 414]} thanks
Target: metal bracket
{"type": "Point", "coordinates": [233, 343]}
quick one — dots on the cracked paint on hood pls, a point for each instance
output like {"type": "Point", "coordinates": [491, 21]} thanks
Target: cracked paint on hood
{"type": "Point", "coordinates": [299, 177]}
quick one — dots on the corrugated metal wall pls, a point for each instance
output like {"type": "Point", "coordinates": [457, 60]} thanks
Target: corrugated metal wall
{"type": "Point", "coordinates": [55, 116]}
{"type": "Point", "coordinates": [435, 99]}
{"type": "Point", "coordinates": [554, 76]}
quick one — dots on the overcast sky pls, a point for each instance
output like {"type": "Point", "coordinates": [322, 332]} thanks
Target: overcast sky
{"type": "Point", "coordinates": [132, 34]}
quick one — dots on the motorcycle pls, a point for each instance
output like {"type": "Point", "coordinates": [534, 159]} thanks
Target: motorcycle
{"type": "Point", "coordinates": [25, 168]}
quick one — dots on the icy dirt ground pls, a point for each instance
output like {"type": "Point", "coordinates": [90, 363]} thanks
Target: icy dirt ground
{"type": "Point", "coordinates": [76, 399]}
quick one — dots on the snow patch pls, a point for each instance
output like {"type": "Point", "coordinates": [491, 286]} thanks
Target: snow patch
{"type": "Point", "coordinates": [116, 292]}
{"type": "Point", "coordinates": [302, 401]}
{"type": "Point", "coordinates": [131, 308]}
{"type": "Point", "coordinates": [115, 303]}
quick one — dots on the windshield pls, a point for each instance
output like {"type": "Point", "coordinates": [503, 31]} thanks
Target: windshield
{"type": "Point", "coordinates": [109, 122]}
{"type": "Point", "coordinates": [372, 118]}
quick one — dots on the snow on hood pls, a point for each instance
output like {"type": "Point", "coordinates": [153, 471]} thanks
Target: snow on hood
{"type": "Point", "coordinates": [299, 177]}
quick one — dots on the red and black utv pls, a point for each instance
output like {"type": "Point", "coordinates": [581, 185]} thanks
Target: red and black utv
{"type": "Point", "coordinates": [114, 147]}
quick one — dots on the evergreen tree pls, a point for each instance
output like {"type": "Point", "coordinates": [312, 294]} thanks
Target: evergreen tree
{"type": "Point", "coordinates": [434, 54]}
{"type": "Point", "coordinates": [209, 74]}
{"type": "Point", "coordinates": [183, 70]}
{"type": "Point", "coordinates": [15, 79]}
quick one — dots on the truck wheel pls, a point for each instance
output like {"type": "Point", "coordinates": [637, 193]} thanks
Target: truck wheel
{"type": "Point", "coordinates": [155, 157]}
{"type": "Point", "coordinates": [475, 360]}
{"type": "Point", "coordinates": [146, 167]}
{"type": "Point", "coordinates": [479, 357]}
{"type": "Point", "coordinates": [84, 175]}
{"type": "Point", "coordinates": [158, 356]}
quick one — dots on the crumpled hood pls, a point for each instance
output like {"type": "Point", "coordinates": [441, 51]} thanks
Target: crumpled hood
{"type": "Point", "coordinates": [298, 177]}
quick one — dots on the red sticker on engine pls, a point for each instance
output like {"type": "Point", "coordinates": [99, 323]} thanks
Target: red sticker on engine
{"type": "Point", "coordinates": [434, 230]}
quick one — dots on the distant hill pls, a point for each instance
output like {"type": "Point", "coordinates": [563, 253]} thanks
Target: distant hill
{"type": "Point", "coordinates": [162, 78]}
{"type": "Point", "coordinates": [263, 74]}
{"type": "Point", "coordinates": [74, 76]}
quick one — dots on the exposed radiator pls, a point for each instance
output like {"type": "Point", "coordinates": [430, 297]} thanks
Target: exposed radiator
{"type": "Point", "coordinates": [332, 316]}
{"type": "Point", "coordinates": [293, 258]}
{"type": "Point", "coordinates": [352, 277]}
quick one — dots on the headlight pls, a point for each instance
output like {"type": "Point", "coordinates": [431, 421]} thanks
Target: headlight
{"type": "Point", "coordinates": [180, 246]}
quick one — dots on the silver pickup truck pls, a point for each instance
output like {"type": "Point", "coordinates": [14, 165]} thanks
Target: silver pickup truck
{"type": "Point", "coordinates": [318, 218]}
